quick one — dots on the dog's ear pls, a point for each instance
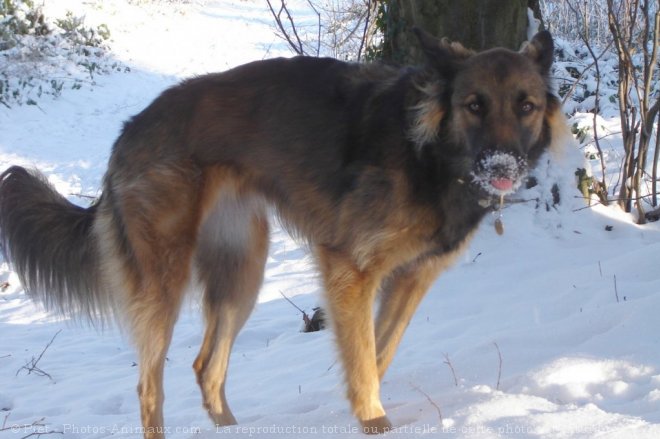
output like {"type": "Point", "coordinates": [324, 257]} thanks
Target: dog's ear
{"type": "Point", "coordinates": [443, 55]}
{"type": "Point", "coordinates": [541, 50]}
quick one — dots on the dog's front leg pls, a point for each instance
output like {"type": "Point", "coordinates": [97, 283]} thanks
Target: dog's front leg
{"type": "Point", "coordinates": [400, 297]}
{"type": "Point", "coordinates": [351, 294]}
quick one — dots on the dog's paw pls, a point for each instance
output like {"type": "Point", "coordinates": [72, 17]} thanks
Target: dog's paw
{"type": "Point", "coordinates": [376, 426]}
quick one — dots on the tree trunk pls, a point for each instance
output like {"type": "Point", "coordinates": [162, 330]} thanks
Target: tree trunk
{"type": "Point", "coordinates": [477, 24]}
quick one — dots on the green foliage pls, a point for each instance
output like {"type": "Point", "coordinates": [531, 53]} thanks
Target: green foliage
{"type": "Point", "coordinates": [75, 31]}
{"type": "Point", "coordinates": [29, 42]}
{"type": "Point", "coordinates": [20, 17]}
{"type": "Point", "coordinates": [580, 133]}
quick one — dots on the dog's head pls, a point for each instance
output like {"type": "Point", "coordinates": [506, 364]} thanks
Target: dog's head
{"type": "Point", "coordinates": [494, 107]}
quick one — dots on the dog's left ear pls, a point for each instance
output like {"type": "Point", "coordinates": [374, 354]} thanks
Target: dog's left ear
{"type": "Point", "coordinates": [541, 50]}
{"type": "Point", "coordinates": [443, 55]}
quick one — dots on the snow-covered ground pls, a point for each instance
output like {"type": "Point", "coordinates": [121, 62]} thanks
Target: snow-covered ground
{"type": "Point", "coordinates": [550, 331]}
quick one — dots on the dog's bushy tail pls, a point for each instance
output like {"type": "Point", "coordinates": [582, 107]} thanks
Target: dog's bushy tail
{"type": "Point", "coordinates": [51, 244]}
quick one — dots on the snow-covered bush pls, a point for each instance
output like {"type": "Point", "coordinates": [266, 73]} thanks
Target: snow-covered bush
{"type": "Point", "coordinates": [40, 57]}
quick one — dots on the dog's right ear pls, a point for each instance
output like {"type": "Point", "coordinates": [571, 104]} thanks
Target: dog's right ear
{"type": "Point", "coordinates": [443, 54]}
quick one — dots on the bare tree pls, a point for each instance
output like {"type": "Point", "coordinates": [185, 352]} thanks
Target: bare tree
{"type": "Point", "coordinates": [635, 31]}
{"type": "Point", "coordinates": [287, 28]}
{"type": "Point", "coordinates": [343, 29]}
{"type": "Point", "coordinates": [559, 18]}
{"type": "Point", "coordinates": [584, 22]}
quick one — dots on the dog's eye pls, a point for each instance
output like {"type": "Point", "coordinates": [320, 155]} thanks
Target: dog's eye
{"type": "Point", "coordinates": [527, 107]}
{"type": "Point", "coordinates": [475, 107]}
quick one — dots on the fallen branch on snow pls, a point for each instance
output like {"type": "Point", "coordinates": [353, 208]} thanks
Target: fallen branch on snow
{"type": "Point", "coordinates": [31, 366]}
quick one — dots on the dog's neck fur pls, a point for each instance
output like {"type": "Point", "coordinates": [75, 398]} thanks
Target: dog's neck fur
{"type": "Point", "coordinates": [438, 169]}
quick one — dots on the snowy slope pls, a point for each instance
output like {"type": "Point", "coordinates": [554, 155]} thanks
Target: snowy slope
{"type": "Point", "coordinates": [580, 357]}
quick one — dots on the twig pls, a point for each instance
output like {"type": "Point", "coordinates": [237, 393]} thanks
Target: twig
{"type": "Point", "coordinates": [596, 203]}
{"type": "Point", "coordinates": [643, 197]}
{"type": "Point", "coordinates": [588, 207]}
{"type": "Point", "coordinates": [476, 257]}
{"type": "Point", "coordinates": [499, 369]}
{"type": "Point", "coordinates": [293, 304]}
{"type": "Point", "coordinates": [428, 398]}
{"type": "Point", "coordinates": [318, 37]}
{"type": "Point", "coordinates": [363, 40]}
{"type": "Point", "coordinates": [91, 197]}
{"type": "Point", "coordinates": [451, 367]}
{"type": "Point", "coordinates": [5, 356]}
{"type": "Point", "coordinates": [519, 201]}
{"type": "Point", "coordinates": [585, 38]}
{"type": "Point", "coordinates": [604, 136]}
{"type": "Point", "coordinates": [38, 434]}
{"type": "Point", "coordinates": [306, 318]}
{"type": "Point", "coordinates": [297, 46]}
{"type": "Point", "coordinates": [584, 72]}
{"type": "Point", "coordinates": [616, 290]}
{"type": "Point", "coordinates": [31, 366]}
{"type": "Point", "coordinates": [40, 428]}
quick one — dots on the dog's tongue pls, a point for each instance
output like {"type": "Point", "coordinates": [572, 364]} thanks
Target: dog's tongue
{"type": "Point", "coordinates": [502, 184]}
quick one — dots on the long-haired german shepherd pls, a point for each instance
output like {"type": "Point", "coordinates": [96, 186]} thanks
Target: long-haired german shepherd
{"type": "Point", "coordinates": [384, 172]}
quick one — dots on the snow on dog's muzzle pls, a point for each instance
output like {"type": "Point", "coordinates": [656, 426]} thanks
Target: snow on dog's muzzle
{"type": "Point", "coordinates": [499, 173]}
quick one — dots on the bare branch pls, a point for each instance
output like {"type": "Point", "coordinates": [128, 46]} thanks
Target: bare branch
{"type": "Point", "coordinates": [616, 290]}
{"type": "Point", "coordinates": [428, 398]}
{"type": "Point", "coordinates": [308, 321]}
{"type": "Point", "coordinates": [35, 429]}
{"type": "Point", "coordinates": [585, 38]}
{"type": "Point", "coordinates": [79, 195]}
{"type": "Point", "coordinates": [365, 30]}
{"type": "Point", "coordinates": [293, 304]}
{"type": "Point", "coordinates": [451, 366]}
{"type": "Point", "coordinates": [31, 366]}
{"type": "Point", "coordinates": [584, 72]}
{"type": "Point", "coordinates": [297, 45]}
{"type": "Point", "coordinates": [654, 176]}
{"type": "Point", "coordinates": [499, 369]}
{"type": "Point", "coordinates": [318, 37]}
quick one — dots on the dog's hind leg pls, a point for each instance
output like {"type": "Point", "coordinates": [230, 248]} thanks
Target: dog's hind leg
{"type": "Point", "coordinates": [153, 333]}
{"type": "Point", "coordinates": [231, 254]}
{"type": "Point", "coordinates": [155, 216]}
{"type": "Point", "coordinates": [350, 294]}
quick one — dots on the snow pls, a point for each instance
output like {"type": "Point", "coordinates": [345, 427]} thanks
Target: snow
{"type": "Point", "coordinates": [579, 347]}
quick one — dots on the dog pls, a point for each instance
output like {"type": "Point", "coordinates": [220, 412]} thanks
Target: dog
{"type": "Point", "coordinates": [383, 172]}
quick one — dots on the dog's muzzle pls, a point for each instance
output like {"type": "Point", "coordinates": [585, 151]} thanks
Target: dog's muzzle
{"type": "Point", "coordinates": [499, 173]}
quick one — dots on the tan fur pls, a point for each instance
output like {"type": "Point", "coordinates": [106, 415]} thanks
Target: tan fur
{"type": "Point", "coordinates": [456, 48]}
{"type": "Point", "coordinates": [561, 134]}
{"type": "Point", "coordinates": [428, 115]}
{"type": "Point", "coordinates": [401, 294]}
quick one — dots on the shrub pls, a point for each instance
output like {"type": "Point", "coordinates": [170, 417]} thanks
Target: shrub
{"type": "Point", "coordinates": [42, 57]}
